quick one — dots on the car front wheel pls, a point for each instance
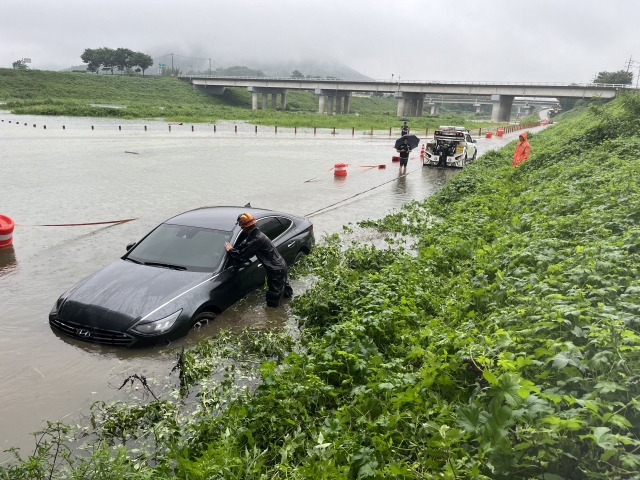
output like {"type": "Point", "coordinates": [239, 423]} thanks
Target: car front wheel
{"type": "Point", "coordinates": [203, 319]}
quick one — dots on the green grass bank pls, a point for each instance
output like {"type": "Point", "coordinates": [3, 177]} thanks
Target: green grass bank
{"type": "Point", "coordinates": [507, 346]}
{"type": "Point", "coordinates": [39, 92]}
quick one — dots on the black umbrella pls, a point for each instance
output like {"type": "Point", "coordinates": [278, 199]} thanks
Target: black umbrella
{"type": "Point", "coordinates": [405, 119]}
{"type": "Point", "coordinates": [412, 140]}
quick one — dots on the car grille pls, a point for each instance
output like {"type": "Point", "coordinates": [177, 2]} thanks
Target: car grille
{"type": "Point", "coordinates": [90, 334]}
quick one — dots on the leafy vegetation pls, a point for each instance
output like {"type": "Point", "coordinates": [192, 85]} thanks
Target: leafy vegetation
{"type": "Point", "coordinates": [505, 345]}
{"type": "Point", "coordinates": [621, 77]}
{"type": "Point", "coordinates": [70, 93]}
{"type": "Point", "coordinates": [120, 58]}
{"type": "Point", "coordinates": [20, 65]}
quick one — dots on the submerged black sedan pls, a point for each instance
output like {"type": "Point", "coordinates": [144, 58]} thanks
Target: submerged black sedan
{"type": "Point", "coordinates": [177, 277]}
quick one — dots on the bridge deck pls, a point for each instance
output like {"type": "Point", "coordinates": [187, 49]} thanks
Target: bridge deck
{"type": "Point", "coordinates": [520, 89]}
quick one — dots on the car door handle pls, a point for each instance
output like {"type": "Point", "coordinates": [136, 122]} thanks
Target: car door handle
{"type": "Point", "coordinates": [291, 244]}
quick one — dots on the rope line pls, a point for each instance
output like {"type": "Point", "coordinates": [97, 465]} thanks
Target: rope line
{"type": "Point", "coordinates": [360, 193]}
{"type": "Point", "coordinates": [74, 224]}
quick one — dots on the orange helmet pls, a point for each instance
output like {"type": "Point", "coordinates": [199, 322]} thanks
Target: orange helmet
{"type": "Point", "coordinates": [246, 220]}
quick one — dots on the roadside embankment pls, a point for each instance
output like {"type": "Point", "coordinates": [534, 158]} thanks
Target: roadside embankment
{"type": "Point", "coordinates": [72, 94]}
{"type": "Point", "coordinates": [507, 345]}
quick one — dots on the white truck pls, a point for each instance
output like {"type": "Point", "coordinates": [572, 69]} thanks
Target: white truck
{"type": "Point", "coordinates": [450, 147]}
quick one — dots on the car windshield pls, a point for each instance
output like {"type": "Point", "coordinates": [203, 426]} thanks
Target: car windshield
{"type": "Point", "coordinates": [193, 248]}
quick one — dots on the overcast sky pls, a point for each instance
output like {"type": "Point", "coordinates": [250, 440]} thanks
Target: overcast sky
{"type": "Point", "coordinates": [510, 40]}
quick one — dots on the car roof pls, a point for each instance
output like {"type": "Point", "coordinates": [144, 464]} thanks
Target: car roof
{"type": "Point", "coordinates": [219, 218]}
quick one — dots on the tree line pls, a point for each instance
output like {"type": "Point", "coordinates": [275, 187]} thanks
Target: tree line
{"type": "Point", "coordinates": [120, 58]}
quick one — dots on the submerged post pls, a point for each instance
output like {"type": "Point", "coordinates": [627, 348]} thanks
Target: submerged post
{"type": "Point", "coordinates": [353, 131]}
{"type": "Point", "coordinates": [214, 129]}
{"type": "Point", "coordinates": [169, 127]}
{"type": "Point", "coordinates": [235, 128]}
{"type": "Point", "coordinates": [256, 128]}
{"type": "Point", "coordinates": [314, 130]}
{"type": "Point", "coordinates": [192, 128]}
{"type": "Point", "coordinates": [145, 128]}
{"type": "Point", "coordinates": [390, 130]}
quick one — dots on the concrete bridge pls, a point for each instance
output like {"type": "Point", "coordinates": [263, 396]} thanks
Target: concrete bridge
{"type": "Point", "coordinates": [525, 104]}
{"type": "Point", "coordinates": [334, 94]}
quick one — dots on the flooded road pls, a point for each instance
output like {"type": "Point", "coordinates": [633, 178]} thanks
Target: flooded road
{"type": "Point", "coordinates": [79, 175]}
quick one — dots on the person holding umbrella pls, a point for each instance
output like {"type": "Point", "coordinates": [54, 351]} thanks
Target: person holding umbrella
{"type": "Point", "coordinates": [405, 129]}
{"type": "Point", "coordinates": [404, 145]}
{"type": "Point", "coordinates": [405, 150]}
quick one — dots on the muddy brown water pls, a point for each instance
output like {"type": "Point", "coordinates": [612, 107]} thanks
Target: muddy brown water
{"type": "Point", "coordinates": [80, 175]}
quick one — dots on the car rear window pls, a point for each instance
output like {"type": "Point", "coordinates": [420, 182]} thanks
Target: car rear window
{"type": "Point", "coordinates": [286, 223]}
{"type": "Point", "coordinates": [271, 227]}
{"type": "Point", "coordinates": [195, 248]}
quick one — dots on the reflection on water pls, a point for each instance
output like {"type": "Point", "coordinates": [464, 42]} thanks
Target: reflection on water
{"type": "Point", "coordinates": [80, 175]}
{"type": "Point", "coordinates": [8, 262]}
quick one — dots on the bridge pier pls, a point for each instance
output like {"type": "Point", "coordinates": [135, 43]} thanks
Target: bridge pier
{"type": "Point", "coordinates": [333, 96]}
{"type": "Point", "coordinates": [501, 111]}
{"type": "Point", "coordinates": [478, 108]}
{"type": "Point", "coordinates": [435, 109]}
{"type": "Point", "coordinates": [265, 92]}
{"type": "Point", "coordinates": [409, 103]}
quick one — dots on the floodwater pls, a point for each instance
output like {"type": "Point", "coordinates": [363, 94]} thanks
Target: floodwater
{"type": "Point", "coordinates": [79, 175]}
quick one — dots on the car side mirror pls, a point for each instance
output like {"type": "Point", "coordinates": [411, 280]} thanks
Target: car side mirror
{"type": "Point", "coordinates": [131, 245]}
{"type": "Point", "coordinates": [474, 141]}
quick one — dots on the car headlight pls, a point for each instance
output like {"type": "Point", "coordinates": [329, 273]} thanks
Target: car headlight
{"type": "Point", "coordinates": [156, 327]}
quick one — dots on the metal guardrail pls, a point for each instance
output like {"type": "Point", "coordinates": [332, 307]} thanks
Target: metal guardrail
{"type": "Point", "coordinates": [426, 82]}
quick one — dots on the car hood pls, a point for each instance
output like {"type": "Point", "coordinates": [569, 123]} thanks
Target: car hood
{"type": "Point", "coordinates": [121, 293]}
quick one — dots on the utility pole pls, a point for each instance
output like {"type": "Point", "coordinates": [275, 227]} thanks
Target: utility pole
{"type": "Point", "coordinates": [629, 63]}
{"type": "Point", "coordinates": [172, 62]}
{"type": "Point", "coordinates": [209, 67]}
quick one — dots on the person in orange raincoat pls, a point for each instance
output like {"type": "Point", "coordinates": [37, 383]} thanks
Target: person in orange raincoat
{"type": "Point", "coordinates": [522, 150]}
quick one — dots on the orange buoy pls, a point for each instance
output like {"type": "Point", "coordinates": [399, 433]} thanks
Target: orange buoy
{"type": "Point", "coordinates": [499, 131]}
{"type": "Point", "coordinates": [488, 135]}
{"type": "Point", "coordinates": [340, 170]}
{"type": "Point", "coordinates": [381, 166]}
{"type": "Point", "coordinates": [6, 231]}
{"type": "Point", "coordinates": [422, 151]}
{"type": "Point", "coordinates": [395, 159]}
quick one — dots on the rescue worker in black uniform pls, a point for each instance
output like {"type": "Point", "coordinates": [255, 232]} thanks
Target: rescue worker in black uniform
{"type": "Point", "coordinates": [258, 244]}
{"type": "Point", "coordinates": [405, 129]}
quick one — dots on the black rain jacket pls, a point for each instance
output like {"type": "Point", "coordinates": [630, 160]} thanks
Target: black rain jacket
{"type": "Point", "coordinates": [258, 244]}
